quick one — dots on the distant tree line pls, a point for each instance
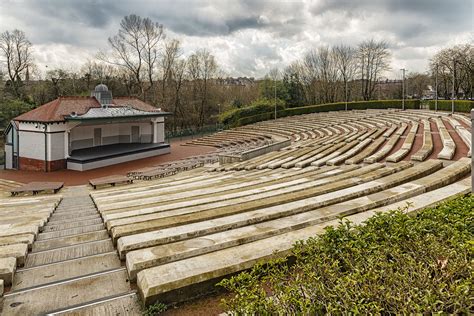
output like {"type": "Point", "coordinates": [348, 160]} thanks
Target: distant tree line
{"type": "Point", "coordinates": [142, 61]}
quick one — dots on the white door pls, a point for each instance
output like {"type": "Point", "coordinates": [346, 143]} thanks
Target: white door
{"type": "Point", "coordinates": [97, 136]}
{"type": "Point", "coordinates": [135, 134]}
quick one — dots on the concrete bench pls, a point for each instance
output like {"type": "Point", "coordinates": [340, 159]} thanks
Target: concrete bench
{"type": "Point", "coordinates": [37, 187]}
{"type": "Point", "coordinates": [406, 146]}
{"type": "Point", "coordinates": [449, 147]}
{"type": "Point", "coordinates": [7, 269]}
{"type": "Point", "coordinates": [340, 192]}
{"type": "Point", "coordinates": [156, 282]}
{"type": "Point", "coordinates": [354, 151]}
{"type": "Point", "coordinates": [154, 256]}
{"type": "Point", "coordinates": [427, 147]}
{"type": "Point", "coordinates": [369, 150]}
{"type": "Point", "coordinates": [110, 180]}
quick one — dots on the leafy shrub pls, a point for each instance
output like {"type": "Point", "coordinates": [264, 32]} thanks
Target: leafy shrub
{"type": "Point", "coordinates": [155, 309]}
{"type": "Point", "coordinates": [12, 108]}
{"type": "Point", "coordinates": [394, 264]}
{"type": "Point", "coordinates": [258, 107]}
{"type": "Point", "coordinates": [459, 105]}
{"type": "Point", "coordinates": [238, 117]}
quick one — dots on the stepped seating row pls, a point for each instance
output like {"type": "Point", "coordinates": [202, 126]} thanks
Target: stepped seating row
{"type": "Point", "coordinates": [186, 231]}
{"type": "Point", "coordinates": [390, 142]}
{"type": "Point", "coordinates": [21, 220]}
{"type": "Point", "coordinates": [180, 232]}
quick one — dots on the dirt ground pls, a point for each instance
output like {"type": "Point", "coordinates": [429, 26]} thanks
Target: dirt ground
{"type": "Point", "coordinates": [71, 177]}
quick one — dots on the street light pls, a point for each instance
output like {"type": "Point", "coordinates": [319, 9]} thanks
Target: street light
{"type": "Point", "coordinates": [403, 89]}
{"type": "Point", "coordinates": [454, 78]}
{"type": "Point", "coordinates": [436, 88]}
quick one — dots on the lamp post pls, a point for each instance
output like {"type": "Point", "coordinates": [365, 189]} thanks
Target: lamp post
{"type": "Point", "coordinates": [436, 88]}
{"type": "Point", "coordinates": [346, 93]}
{"type": "Point", "coordinates": [454, 78]}
{"type": "Point", "coordinates": [403, 88]}
{"type": "Point", "coordinates": [275, 94]}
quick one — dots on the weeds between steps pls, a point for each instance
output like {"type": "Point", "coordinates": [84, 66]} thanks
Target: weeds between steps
{"type": "Point", "coordinates": [393, 264]}
{"type": "Point", "coordinates": [155, 309]}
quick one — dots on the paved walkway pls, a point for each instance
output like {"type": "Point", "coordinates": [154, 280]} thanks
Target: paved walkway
{"type": "Point", "coordinates": [71, 177]}
{"type": "Point", "coordinates": [73, 267]}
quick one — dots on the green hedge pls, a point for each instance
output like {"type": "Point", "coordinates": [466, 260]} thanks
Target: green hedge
{"type": "Point", "coordinates": [240, 118]}
{"type": "Point", "coordinates": [258, 107]}
{"type": "Point", "coordinates": [459, 105]}
{"type": "Point", "coordinates": [395, 264]}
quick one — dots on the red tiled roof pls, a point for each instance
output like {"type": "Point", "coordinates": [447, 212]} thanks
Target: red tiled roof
{"type": "Point", "coordinates": [56, 110]}
{"type": "Point", "coordinates": [135, 103]}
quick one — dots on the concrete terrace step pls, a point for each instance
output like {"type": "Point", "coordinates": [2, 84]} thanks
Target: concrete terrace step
{"type": "Point", "coordinates": [71, 252]}
{"type": "Point", "coordinates": [53, 221]}
{"type": "Point", "coordinates": [36, 276]}
{"type": "Point", "coordinates": [65, 241]}
{"type": "Point", "coordinates": [127, 304]}
{"type": "Point", "coordinates": [218, 209]}
{"type": "Point", "coordinates": [176, 233]}
{"type": "Point", "coordinates": [166, 282]}
{"type": "Point", "coordinates": [57, 227]}
{"type": "Point", "coordinates": [62, 294]}
{"type": "Point", "coordinates": [72, 215]}
{"type": "Point", "coordinates": [68, 232]}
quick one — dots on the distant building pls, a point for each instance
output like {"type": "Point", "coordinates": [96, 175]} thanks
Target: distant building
{"type": "Point", "coordinates": [240, 81]}
{"type": "Point", "coordinates": [82, 133]}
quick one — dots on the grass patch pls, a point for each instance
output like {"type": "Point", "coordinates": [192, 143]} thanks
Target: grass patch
{"type": "Point", "coordinates": [393, 264]}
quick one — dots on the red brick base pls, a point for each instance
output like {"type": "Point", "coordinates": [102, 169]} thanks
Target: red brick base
{"type": "Point", "coordinates": [29, 164]}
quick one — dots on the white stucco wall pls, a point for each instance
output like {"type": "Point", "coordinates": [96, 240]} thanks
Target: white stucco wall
{"type": "Point", "coordinates": [82, 136]}
{"type": "Point", "coordinates": [8, 156]}
{"type": "Point", "coordinates": [56, 146]}
{"type": "Point", "coordinates": [31, 145]}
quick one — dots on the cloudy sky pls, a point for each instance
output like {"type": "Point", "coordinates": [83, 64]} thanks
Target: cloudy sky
{"type": "Point", "coordinates": [248, 37]}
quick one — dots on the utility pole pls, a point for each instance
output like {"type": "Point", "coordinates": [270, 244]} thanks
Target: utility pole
{"type": "Point", "coordinates": [454, 78]}
{"type": "Point", "coordinates": [403, 89]}
{"type": "Point", "coordinates": [436, 88]}
{"type": "Point", "coordinates": [346, 93]}
{"type": "Point", "coordinates": [275, 86]}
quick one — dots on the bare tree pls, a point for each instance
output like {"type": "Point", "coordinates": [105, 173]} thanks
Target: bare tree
{"type": "Point", "coordinates": [373, 60]}
{"type": "Point", "coordinates": [135, 48]}
{"type": "Point", "coordinates": [170, 55]}
{"type": "Point", "coordinates": [16, 49]}
{"type": "Point", "coordinates": [202, 67]}
{"type": "Point", "coordinates": [346, 64]}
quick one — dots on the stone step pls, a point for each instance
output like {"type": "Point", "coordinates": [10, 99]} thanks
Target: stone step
{"type": "Point", "coordinates": [71, 252]}
{"type": "Point", "coordinates": [65, 241]}
{"type": "Point", "coordinates": [68, 232]}
{"type": "Point", "coordinates": [62, 294]}
{"type": "Point", "coordinates": [30, 277]}
{"type": "Point", "coordinates": [53, 221]}
{"type": "Point", "coordinates": [246, 195]}
{"type": "Point", "coordinates": [166, 235]}
{"type": "Point", "coordinates": [142, 223]}
{"type": "Point", "coordinates": [57, 227]}
{"type": "Point", "coordinates": [140, 200]}
{"type": "Point", "coordinates": [17, 251]}
{"type": "Point", "coordinates": [58, 216]}
{"type": "Point", "coordinates": [118, 305]}
{"type": "Point", "coordinates": [168, 281]}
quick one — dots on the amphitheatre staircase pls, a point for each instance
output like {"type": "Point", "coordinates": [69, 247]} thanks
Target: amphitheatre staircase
{"type": "Point", "coordinates": [171, 239]}
{"type": "Point", "coordinates": [73, 267]}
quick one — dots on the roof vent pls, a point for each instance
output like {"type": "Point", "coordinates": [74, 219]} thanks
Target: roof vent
{"type": "Point", "coordinates": [102, 94]}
